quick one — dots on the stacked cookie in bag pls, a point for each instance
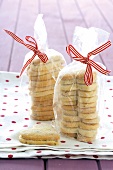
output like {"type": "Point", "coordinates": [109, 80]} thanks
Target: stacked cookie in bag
{"type": "Point", "coordinates": [42, 78]}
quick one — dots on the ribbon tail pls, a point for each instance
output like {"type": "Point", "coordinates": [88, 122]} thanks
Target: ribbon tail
{"type": "Point", "coordinates": [98, 67]}
{"type": "Point", "coordinates": [26, 64]}
{"type": "Point", "coordinates": [88, 76]}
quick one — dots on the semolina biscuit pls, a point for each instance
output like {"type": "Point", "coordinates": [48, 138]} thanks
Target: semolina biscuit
{"type": "Point", "coordinates": [87, 94]}
{"type": "Point", "coordinates": [87, 110]}
{"type": "Point", "coordinates": [70, 118]}
{"type": "Point", "coordinates": [87, 105]}
{"type": "Point", "coordinates": [88, 115]}
{"type": "Point", "coordinates": [40, 108]}
{"type": "Point", "coordinates": [42, 118]}
{"type": "Point", "coordinates": [87, 99]}
{"type": "Point", "coordinates": [68, 130]}
{"type": "Point", "coordinates": [43, 134]}
{"type": "Point", "coordinates": [84, 87]}
{"type": "Point", "coordinates": [92, 121]}
{"type": "Point", "coordinates": [68, 93]}
{"type": "Point", "coordinates": [68, 82]}
{"type": "Point", "coordinates": [67, 98]}
{"type": "Point", "coordinates": [41, 84]}
{"type": "Point", "coordinates": [42, 113]}
{"type": "Point", "coordinates": [69, 107]}
{"type": "Point", "coordinates": [85, 139]}
{"type": "Point", "coordinates": [42, 99]}
{"type": "Point", "coordinates": [88, 126]}
{"type": "Point", "coordinates": [41, 89]}
{"type": "Point", "coordinates": [71, 103]}
{"type": "Point", "coordinates": [87, 133]}
{"type": "Point", "coordinates": [69, 112]}
{"type": "Point", "coordinates": [42, 93]}
{"type": "Point", "coordinates": [45, 103]}
{"type": "Point", "coordinates": [68, 87]}
{"type": "Point", "coordinates": [72, 135]}
{"type": "Point", "coordinates": [69, 124]}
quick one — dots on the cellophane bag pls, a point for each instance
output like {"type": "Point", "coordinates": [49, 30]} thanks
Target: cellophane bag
{"type": "Point", "coordinates": [77, 106]}
{"type": "Point", "coordinates": [42, 76]}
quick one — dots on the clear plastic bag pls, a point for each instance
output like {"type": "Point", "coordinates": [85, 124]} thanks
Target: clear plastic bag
{"type": "Point", "coordinates": [76, 105]}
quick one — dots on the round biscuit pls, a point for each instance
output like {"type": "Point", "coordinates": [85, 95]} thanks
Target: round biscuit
{"type": "Point", "coordinates": [67, 98]}
{"type": "Point", "coordinates": [42, 93]}
{"type": "Point", "coordinates": [40, 108]}
{"type": "Point", "coordinates": [70, 118]}
{"type": "Point", "coordinates": [69, 112]}
{"type": "Point", "coordinates": [87, 93]}
{"type": "Point", "coordinates": [41, 99]}
{"type": "Point", "coordinates": [41, 84]}
{"type": "Point", "coordinates": [88, 126]}
{"type": "Point", "coordinates": [68, 93]}
{"type": "Point", "coordinates": [42, 118]}
{"type": "Point", "coordinates": [85, 139]}
{"type": "Point", "coordinates": [87, 99]}
{"type": "Point", "coordinates": [42, 103]}
{"type": "Point", "coordinates": [68, 130]}
{"type": "Point", "coordinates": [39, 89]}
{"type": "Point", "coordinates": [87, 105]}
{"type": "Point", "coordinates": [87, 133]}
{"type": "Point", "coordinates": [87, 110]}
{"type": "Point", "coordinates": [68, 88]}
{"type": "Point", "coordinates": [68, 107]}
{"type": "Point", "coordinates": [84, 87]}
{"type": "Point", "coordinates": [70, 124]}
{"type": "Point", "coordinates": [92, 121]}
{"type": "Point", "coordinates": [88, 115]}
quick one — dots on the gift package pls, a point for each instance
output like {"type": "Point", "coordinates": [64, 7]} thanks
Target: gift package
{"type": "Point", "coordinates": [71, 94]}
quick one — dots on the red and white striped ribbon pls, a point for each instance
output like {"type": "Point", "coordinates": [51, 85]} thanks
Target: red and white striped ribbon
{"type": "Point", "coordinates": [88, 76]}
{"type": "Point", "coordinates": [32, 46]}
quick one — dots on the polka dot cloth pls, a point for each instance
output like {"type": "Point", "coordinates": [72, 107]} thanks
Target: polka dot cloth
{"type": "Point", "coordinates": [15, 116]}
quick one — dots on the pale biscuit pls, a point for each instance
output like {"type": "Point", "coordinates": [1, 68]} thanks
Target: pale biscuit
{"type": "Point", "coordinates": [42, 118]}
{"type": "Point", "coordinates": [41, 99]}
{"type": "Point", "coordinates": [68, 87]}
{"type": "Point", "coordinates": [92, 121]}
{"type": "Point", "coordinates": [39, 89]}
{"type": "Point", "coordinates": [87, 94]}
{"type": "Point", "coordinates": [68, 107]}
{"type": "Point", "coordinates": [70, 118]}
{"type": "Point", "coordinates": [68, 76]}
{"type": "Point", "coordinates": [72, 135]}
{"type": "Point", "coordinates": [42, 113]}
{"type": "Point", "coordinates": [68, 124]}
{"type": "Point", "coordinates": [41, 134]}
{"type": "Point", "coordinates": [87, 99]}
{"type": "Point", "coordinates": [87, 110]}
{"type": "Point", "coordinates": [84, 87]}
{"type": "Point", "coordinates": [67, 98]}
{"type": "Point", "coordinates": [87, 105]}
{"type": "Point", "coordinates": [71, 103]}
{"type": "Point", "coordinates": [88, 126]}
{"type": "Point", "coordinates": [87, 133]}
{"type": "Point", "coordinates": [68, 82]}
{"type": "Point", "coordinates": [88, 115]}
{"type": "Point", "coordinates": [41, 84]}
{"type": "Point", "coordinates": [68, 93]}
{"type": "Point", "coordinates": [42, 93]}
{"type": "Point", "coordinates": [42, 103]}
{"type": "Point", "coordinates": [68, 130]}
{"type": "Point", "coordinates": [43, 77]}
{"type": "Point", "coordinates": [40, 108]}
{"type": "Point", "coordinates": [85, 139]}
{"type": "Point", "coordinates": [69, 112]}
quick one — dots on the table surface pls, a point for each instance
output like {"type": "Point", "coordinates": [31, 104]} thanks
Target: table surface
{"type": "Point", "coordinates": [61, 17]}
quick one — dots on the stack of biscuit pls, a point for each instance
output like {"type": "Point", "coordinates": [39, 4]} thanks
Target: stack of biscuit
{"type": "Point", "coordinates": [78, 105]}
{"type": "Point", "coordinates": [87, 108]}
{"type": "Point", "coordinates": [40, 134]}
{"type": "Point", "coordinates": [42, 78]}
{"type": "Point", "coordinates": [68, 100]}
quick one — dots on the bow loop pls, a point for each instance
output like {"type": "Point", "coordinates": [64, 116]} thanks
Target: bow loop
{"type": "Point", "coordinates": [88, 76]}
{"type": "Point", "coordinates": [32, 46]}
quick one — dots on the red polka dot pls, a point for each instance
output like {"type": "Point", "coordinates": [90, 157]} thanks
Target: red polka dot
{"type": "Point", "coordinates": [13, 148]}
{"type": "Point", "coordinates": [89, 142]}
{"type": "Point", "coordinates": [8, 139]}
{"type": "Point", "coordinates": [15, 99]}
{"type": "Point", "coordinates": [25, 126]}
{"type": "Point", "coordinates": [104, 100]}
{"type": "Point", "coordinates": [13, 121]}
{"type": "Point", "coordinates": [104, 145]}
{"type": "Point", "coordinates": [67, 156]}
{"type": "Point", "coordinates": [16, 91]}
{"type": "Point", "coordinates": [108, 81]}
{"type": "Point", "coordinates": [10, 156]}
{"type": "Point", "coordinates": [102, 138]}
{"type": "Point", "coordinates": [38, 151]}
{"type": "Point", "coordinates": [26, 118]}
{"type": "Point", "coordinates": [4, 95]}
{"type": "Point", "coordinates": [38, 122]}
{"type": "Point", "coordinates": [16, 86]}
{"type": "Point", "coordinates": [0, 124]}
{"type": "Point", "coordinates": [63, 141]}
{"type": "Point", "coordinates": [7, 80]}
{"type": "Point", "coordinates": [2, 115]}
{"type": "Point", "coordinates": [17, 76]}
{"type": "Point", "coordinates": [95, 156]}
{"type": "Point", "coordinates": [111, 122]}
{"type": "Point", "coordinates": [4, 103]}
{"type": "Point", "coordinates": [77, 145]}
{"type": "Point", "coordinates": [5, 88]}
{"type": "Point", "coordinates": [15, 105]}
{"type": "Point", "coordinates": [4, 109]}
{"type": "Point", "coordinates": [26, 109]}
{"type": "Point", "coordinates": [109, 115]}
{"type": "Point", "coordinates": [110, 89]}
{"type": "Point", "coordinates": [15, 112]}
{"type": "Point", "coordinates": [107, 108]}
{"type": "Point", "coordinates": [11, 130]}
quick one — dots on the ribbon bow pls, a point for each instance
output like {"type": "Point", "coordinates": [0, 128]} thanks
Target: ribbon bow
{"type": "Point", "coordinates": [88, 76]}
{"type": "Point", "coordinates": [32, 46]}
